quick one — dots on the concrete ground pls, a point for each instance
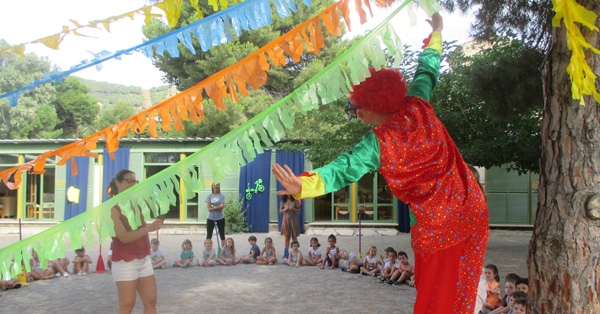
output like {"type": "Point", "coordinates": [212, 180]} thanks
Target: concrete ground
{"type": "Point", "coordinates": [251, 288]}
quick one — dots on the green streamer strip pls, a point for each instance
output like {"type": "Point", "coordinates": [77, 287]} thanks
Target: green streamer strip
{"type": "Point", "coordinates": [218, 159]}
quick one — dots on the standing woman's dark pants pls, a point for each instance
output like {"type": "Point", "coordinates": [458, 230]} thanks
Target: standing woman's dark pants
{"type": "Point", "coordinates": [210, 226]}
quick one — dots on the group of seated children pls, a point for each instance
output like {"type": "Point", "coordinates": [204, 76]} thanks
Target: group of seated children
{"type": "Point", "coordinates": [394, 269]}
{"type": "Point", "coordinates": [59, 267]}
{"type": "Point", "coordinates": [226, 257]}
{"type": "Point", "coordinates": [515, 293]}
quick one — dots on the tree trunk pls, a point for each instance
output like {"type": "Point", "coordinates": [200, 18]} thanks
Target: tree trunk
{"type": "Point", "coordinates": [564, 252]}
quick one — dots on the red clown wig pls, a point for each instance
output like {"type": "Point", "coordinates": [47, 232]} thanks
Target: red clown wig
{"type": "Point", "coordinates": [384, 92]}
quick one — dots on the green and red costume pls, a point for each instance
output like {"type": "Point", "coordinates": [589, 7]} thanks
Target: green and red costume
{"type": "Point", "coordinates": [423, 168]}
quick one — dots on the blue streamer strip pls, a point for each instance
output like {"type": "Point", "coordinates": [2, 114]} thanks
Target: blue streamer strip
{"type": "Point", "coordinates": [211, 31]}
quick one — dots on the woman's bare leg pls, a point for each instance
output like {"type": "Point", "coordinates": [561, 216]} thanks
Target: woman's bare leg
{"type": "Point", "coordinates": [147, 290]}
{"type": "Point", "coordinates": [126, 290]}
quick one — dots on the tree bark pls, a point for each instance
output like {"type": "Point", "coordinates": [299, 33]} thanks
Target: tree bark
{"type": "Point", "coordinates": [564, 252]}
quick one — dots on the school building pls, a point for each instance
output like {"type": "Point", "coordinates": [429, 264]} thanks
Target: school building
{"type": "Point", "coordinates": [58, 195]}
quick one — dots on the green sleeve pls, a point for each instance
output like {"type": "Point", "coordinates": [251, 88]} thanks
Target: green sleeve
{"type": "Point", "coordinates": [426, 74]}
{"type": "Point", "coordinates": [351, 166]}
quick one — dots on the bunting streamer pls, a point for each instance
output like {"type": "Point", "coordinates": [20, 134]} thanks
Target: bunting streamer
{"type": "Point", "coordinates": [172, 9]}
{"type": "Point", "coordinates": [218, 159]}
{"type": "Point", "coordinates": [211, 31]}
{"type": "Point", "coordinates": [186, 106]}
{"type": "Point", "coordinates": [583, 79]}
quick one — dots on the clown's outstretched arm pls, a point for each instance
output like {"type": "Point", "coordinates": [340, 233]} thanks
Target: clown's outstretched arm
{"type": "Point", "coordinates": [342, 171]}
{"type": "Point", "coordinates": [428, 69]}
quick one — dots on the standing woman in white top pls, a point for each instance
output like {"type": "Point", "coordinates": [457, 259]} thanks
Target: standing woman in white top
{"type": "Point", "coordinates": [215, 203]}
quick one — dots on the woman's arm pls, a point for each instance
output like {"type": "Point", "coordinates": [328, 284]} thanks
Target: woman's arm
{"type": "Point", "coordinates": [129, 236]}
{"type": "Point", "coordinates": [212, 207]}
{"type": "Point", "coordinates": [281, 206]}
{"type": "Point", "coordinates": [296, 208]}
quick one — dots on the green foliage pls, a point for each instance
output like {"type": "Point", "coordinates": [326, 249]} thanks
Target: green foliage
{"type": "Point", "coordinates": [505, 77]}
{"type": "Point", "coordinates": [109, 94]}
{"type": "Point", "coordinates": [218, 123]}
{"type": "Point", "coordinates": [235, 216]}
{"type": "Point", "coordinates": [76, 108]}
{"type": "Point", "coordinates": [189, 69]}
{"type": "Point", "coordinates": [530, 20]}
{"type": "Point", "coordinates": [470, 113]}
{"type": "Point", "coordinates": [114, 114]}
{"type": "Point", "coordinates": [21, 121]}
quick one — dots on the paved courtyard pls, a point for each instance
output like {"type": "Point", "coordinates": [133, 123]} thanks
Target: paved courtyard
{"type": "Point", "coordinates": [251, 288]}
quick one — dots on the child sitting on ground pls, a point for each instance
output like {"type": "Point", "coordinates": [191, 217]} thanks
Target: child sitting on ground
{"type": "Point", "coordinates": [371, 263]}
{"type": "Point", "coordinates": [349, 262]}
{"type": "Point", "coordinates": [228, 254]}
{"type": "Point", "coordinates": [60, 267]}
{"type": "Point", "coordinates": [208, 257]}
{"type": "Point", "coordinates": [510, 286]}
{"type": "Point", "coordinates": [520, 306]}
{"type": "Point", "coordinates": [384, 260]}
{"type": "Point", "coordinates": [267, 256]}
{"type": "Point", "coordinates": [157, 256]}
{"type": "Point", "coordinates": [313, 258]}
{"type": "Point", "coordinates": [295, 256]}
{"type": "Point", "coordinates": [254, 251]}
{"type": "Point", "coordinates": [37, 272]}
{"type": "Point", "coordinates": [513, 297]}
{"type": "Point", "coordinates": [493, 289]}
{"type": "Point", "coordinates": [186, 256]}
{"type": "Point", "coordinates": [81, 262]}
{"type": "Point", "coordinates": [523, 285]}
{"type": "Point", "coordinates": [332, 255]}
{"type": "Point", "coordinates": [390, 267]}
{"type": "Point", "coordinates": [405, 271]}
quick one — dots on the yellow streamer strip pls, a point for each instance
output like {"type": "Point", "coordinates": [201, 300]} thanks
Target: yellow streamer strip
{"type": "Point", "coordinates": [172, 9]}
{"type": "Point", "coordinates": [185, 106]}
{"type": "Point", "coordinates": [582, 76]}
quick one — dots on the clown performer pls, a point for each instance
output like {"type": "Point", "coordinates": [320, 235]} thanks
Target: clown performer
{"type": "Point", "coordinates": [422, 166]}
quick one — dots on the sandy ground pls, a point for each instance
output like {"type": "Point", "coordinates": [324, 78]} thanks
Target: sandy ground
{"type": "Point", "coordinates": [250, 288]}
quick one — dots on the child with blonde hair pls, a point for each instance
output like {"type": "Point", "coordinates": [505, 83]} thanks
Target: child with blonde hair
{"type": "Point", "coordinates": [371, 263]}
{"type": "Point", "coordinates": [313, 258]}
{"type": "Point", "coordinates": [208, 257]}
{"type": "Point", "coordinates": [228, 254]}
{"type": "Point", "coordinates": [186, 256]}
{"type": "Point", "coordinates": [37, 272]}
{"type": "Point", "coordinates": [349, 262]}
{"type": "Point", "coordinates": [267, 256]}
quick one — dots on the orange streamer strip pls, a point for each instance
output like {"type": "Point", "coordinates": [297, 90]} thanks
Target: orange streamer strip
{"type": "Point", "coordinates": [250, 71]}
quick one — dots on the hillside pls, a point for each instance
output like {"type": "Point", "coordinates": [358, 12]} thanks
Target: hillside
{"type": "Point", "coordinates": [108, 94]}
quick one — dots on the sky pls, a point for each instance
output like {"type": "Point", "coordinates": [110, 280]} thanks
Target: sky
{"type": "Point", "coordinates": [26, 20]}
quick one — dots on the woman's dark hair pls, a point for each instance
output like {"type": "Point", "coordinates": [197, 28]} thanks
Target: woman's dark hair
{"type": "Point", "coordinates": [112, 189]}
{"type": "Point", "coordinates": [284, 198]}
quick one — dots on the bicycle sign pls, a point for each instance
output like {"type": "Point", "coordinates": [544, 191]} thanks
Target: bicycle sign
{"type": "Point", "coordinates": [258, 187]}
